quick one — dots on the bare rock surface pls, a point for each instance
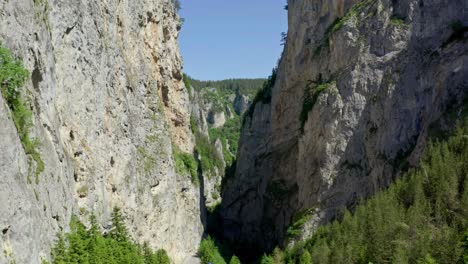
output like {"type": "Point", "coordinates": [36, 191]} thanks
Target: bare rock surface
{"type": "Point", "coordinates": [377, 74]}
{"type": "Point", "coordinates": [109, 103]}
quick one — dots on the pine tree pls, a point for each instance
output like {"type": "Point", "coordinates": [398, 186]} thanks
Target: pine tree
{"type": "Point", "coordinates": [78, 242]}
{"type": "Point", "coordinates": [267, 260]}
{"type": "Point", "coordinates": [162, 257]}
{"type": "Point", "coordinates": [119, 232]}
{"type": "Point", "coordinates": [234, 260]}
{"type": "Point", "coordinates": [148, 254]}
{"type": "Point", "coordinates": [59, 252]}
{"type": "Point", "coordinates": [306, 258]}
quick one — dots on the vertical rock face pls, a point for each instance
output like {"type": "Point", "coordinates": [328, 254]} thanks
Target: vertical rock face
{"type": "Point", "coordinates": [241, 103]}
{"type": "Point", "coordinates": [370, 77]}
{"type": "Point", "coordinates": [109, 103]}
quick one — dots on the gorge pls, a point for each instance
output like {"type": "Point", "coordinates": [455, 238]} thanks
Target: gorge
{"type": "Point", "coordinates": [97, 114]}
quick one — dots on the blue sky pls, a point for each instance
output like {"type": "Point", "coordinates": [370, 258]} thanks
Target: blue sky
{"type": "Point", "coordinates": [224, 39]}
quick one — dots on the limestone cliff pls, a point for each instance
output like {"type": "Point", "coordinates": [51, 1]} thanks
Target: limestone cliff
{"type": "Point", "coordinates": [358, 87]}
{"type": "Point", "coordinates": [109, 103]}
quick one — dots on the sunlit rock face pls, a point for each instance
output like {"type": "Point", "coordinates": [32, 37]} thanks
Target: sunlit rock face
{"type": "Point", "coordinates": [358, 86]}
{"type": "Point", "coordinates": [109, 104]}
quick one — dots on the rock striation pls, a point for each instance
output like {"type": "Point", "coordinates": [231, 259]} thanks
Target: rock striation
{"type": "Point", "coordinates": [109, 108]}
{"type": "Point", "coordinates": [370, 76]}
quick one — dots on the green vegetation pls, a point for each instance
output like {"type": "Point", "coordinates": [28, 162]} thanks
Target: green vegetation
{"type": "Point", "coordinates": [421, 218]}
{"type": "Point", "coordinates": [212, 252]}
{"type": "Point", "coordinates": [187, 83]}
{"type": "Point", "coordinates": [219, 101]}
{"type": "Point", "coordinates": [229, 134]}
{"type": "Point", "coordinates": [219, 94]}
{"type": "Point", "coordinates": [42, 15]}
{"type": "Point", "coordinates": [245, 86]}
{"type": "Point", "coordinates": [299, 221]}
{"type": "Point", "coordinates": [354, 12]}
{"type": "Point", "coordinates": [310, 98]}
{"type": "Point", "coordinates": [209, 252]}
{"type": "Point", "coordinates": [148, 158]}
{"type": "Point", "coordinates": [398, 21]}
{"type": "Point", "coordinates": [13, 75]}
{"type": "Point", "coordinates": [187, 164]}
{"type": "Point", "coordinates": [83, 245]}
{"type": "Point", "coordinates": [209, 157]}
{"type": "Point", "coordinates": [263, 95]}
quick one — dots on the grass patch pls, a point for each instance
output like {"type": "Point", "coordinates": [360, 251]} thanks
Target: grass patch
{"type": "Point", "coordinates": [398, 21]}
{"type": "Point", "coordinates": [310, 98]}
{"type": "Point", "coordinates": [13, 76]}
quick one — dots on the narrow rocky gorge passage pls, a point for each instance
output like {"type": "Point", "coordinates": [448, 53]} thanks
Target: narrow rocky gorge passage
{"type": "Point", "coordinates": [353, 150]}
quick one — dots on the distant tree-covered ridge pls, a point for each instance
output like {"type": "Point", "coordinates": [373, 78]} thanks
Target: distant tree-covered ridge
{"type": "Point", "coordinates": [247, 87]}
{"type": "Point", "coordinates": [91, 246]}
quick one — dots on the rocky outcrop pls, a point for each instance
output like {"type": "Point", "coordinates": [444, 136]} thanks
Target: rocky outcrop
{"type": "Point", "coordinates": [370, 77]}
{"type": "Point", "coordinates": [109, 103]}
{"type": "Point", "coordinates": [241, 103]}
{"type": "Point", "coordinates": [216, 119]}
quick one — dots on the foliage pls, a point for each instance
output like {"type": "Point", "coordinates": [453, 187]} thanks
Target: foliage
{"type": "Point", "coordinates": [266, 259]}
{"type": "Point", "coordinates": [194, 124]}
{"type": "Point", "coordinates": [187, 83]}
{"type": "Point", "coordinates": [219, 94]}
{"type": "Point", "coordinates": [310, 98]}
{"type": "Point", "coordinates": [187, 164]}
{"type": "Point", "coordinates": [209, 252]}
{"type": "Point", "coordinates": [229, 134]}
{"type": "Point", "coordinates": [42, 12]}
{"type": "Point", "coordinates": [263, 95]}
{"type": "Point", "coordinates": [398, 21]}
{"type": "Point", "coordinates": [306, 258]}
{"type": "Point", "coordinates": [354, 12]}
{"type": "Point", "coordinates": [421, 218]}
{"type": "Point", "coordinates": [298, 223]}
{"type": "Point", "coordinates": [245, 86]}
{"type": "Point", "coordinates": [234, 260]}
{"type": "Point", "coordinates": [83, 245]}
{"type": "Point", "coordinates": [13, 75]}
{"type": "Point", "coordinates": [209, 157]}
